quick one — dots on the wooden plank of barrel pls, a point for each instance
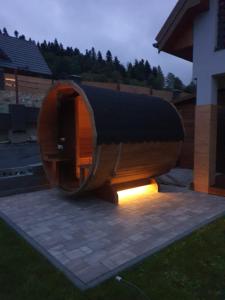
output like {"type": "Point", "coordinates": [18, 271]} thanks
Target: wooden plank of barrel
{"type": "Point", "coordinates": [92, 138]}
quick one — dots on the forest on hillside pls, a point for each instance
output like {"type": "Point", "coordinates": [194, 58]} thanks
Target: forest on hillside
{"type": "Point", "coordinates": [94, 66]}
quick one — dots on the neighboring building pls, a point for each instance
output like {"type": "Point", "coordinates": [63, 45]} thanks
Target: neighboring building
{"type": "Point", "coordinates": [195, 31]}
{"type": "Point", "coordinates": [22, 64]}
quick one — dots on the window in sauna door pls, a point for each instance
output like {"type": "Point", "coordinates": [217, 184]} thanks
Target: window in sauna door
{"type": "Point", "coordinates": [84, 140]}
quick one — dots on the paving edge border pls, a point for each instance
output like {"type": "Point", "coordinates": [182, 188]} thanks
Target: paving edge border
{"type": "Point", "coordinates": [76, 281]}
{"type": "Point", "coordinates": [84, 286]}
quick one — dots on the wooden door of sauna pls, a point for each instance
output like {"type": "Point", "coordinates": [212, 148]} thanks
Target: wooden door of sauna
{"type": "Point", "coordinates": [75, 141]}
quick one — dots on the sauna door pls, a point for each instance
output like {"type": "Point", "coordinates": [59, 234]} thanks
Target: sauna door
{"type": "Point", "coordinates": [66, 140]}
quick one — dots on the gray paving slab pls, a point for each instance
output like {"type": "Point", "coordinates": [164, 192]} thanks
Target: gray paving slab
{"type": "Point", "coordinates": [91, 240]}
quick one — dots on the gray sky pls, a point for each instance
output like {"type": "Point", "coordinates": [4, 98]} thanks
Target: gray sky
{"type": "Point", "coordinates": [126, 27]}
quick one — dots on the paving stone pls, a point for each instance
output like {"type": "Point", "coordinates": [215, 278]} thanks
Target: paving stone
{"type": "Point", "coordinates": [77, 253]}
{"type": "Point", "coordinates": [92, 238]}
{"type": "Point", "coordinates": [86, 250]}
{"type": "Point", "coordinates": [85, 275]}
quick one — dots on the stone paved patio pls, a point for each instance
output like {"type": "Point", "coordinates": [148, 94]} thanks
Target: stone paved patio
{"type": "Point", "coordinates": [91, 240]}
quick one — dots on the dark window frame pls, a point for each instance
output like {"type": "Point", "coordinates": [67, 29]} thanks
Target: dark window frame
{"type": "Point", "coordinates": [221, 25]}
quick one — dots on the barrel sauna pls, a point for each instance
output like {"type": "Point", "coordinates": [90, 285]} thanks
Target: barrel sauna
{"type": "Point", "coordinates": [94, 139]}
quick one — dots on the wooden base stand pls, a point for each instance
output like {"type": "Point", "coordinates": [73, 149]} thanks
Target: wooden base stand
{"type": "Point", "coordinates": [107, 193]}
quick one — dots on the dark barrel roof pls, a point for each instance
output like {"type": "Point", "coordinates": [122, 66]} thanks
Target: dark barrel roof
{"type": "Point", "coordinates": [131, 118]}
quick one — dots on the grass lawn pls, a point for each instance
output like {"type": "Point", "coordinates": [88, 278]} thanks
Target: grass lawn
{"type": "Point", "coordinates": [193, 268]}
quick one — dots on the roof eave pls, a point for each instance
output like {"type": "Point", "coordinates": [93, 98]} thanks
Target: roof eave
{"type": "Point", "coordinates": [175, 18]}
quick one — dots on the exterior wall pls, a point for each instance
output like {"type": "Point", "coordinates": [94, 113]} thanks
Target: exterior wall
{"type": "Point", "coordinates": [205, 147]}
{"type": "Point", "coordinates": [207, 65]}
{"type": "Point", "coordinates": [207, 61]}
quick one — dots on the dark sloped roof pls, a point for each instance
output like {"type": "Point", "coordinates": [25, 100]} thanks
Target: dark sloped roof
{"type": "Point", "coordinates": [129, 118]}
{"type": "Point", "coordinates": [181, 18]}
{"type": "Point", "coordinates": [22, 55]}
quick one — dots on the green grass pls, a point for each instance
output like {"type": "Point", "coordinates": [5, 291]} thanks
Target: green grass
{"type": "Point", "coordinates": [193, 268]}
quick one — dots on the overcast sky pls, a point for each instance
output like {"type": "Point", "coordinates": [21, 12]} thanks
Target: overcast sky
{"type": "Point", "coordinates": [126, 27]}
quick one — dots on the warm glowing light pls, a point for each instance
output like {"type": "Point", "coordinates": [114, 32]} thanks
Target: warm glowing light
{"type": "Point", "coordinates": [133, 193]}
{"type": "Point", "coordinates": [10, 79]}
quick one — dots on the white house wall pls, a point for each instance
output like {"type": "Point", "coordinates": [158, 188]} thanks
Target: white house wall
{"type": "Point", "coordinates": [207, 61]}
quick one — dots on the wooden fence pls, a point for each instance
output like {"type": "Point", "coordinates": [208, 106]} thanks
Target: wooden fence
{"type": "Point", "coordinates": [27, 84]}
{"type": "Point", "coordinates": [36, 85]}
{"type": "Point", "coordinates": [168, 95]}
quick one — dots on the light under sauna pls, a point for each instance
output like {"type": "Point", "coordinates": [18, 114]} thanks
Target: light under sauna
{"type": "Point", "coordinates": [132, 194]}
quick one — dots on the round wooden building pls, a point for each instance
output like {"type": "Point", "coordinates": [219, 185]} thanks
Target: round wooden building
{"type": "Point", "coordinates": [102, 140]}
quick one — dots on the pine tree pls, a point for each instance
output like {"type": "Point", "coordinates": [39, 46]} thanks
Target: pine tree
{"type": "Point", "coordinates": [178, 84]}
{"type": "Point", "coordinates": [76, 51]}
{"type": "Point", "coordinates": [109, 56]}
{"type": "Point", "coordinates": [16, 33]}
{"type": "Point", "coordinates": [99, 57]}
{"type": "Point", "coordinates": [22, 37]}
{"type": "Point", "coordinates": [190, 88]}
{"type": "Point", "coordinates": [170, 81]}
{"type": "Point", "coordinates": [116, 63]}
{"type": "Point", "coordinates": [147, 69]}
{"type": "Point", "coordinates": [160, 78]}
{"type": "Point", "coordinates": [5, 32]}
{"type": "Point", "coordinates": [93, 54]}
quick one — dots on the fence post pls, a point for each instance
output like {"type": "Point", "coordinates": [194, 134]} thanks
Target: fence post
{"type": "Point", "coordinates": [2, 80]}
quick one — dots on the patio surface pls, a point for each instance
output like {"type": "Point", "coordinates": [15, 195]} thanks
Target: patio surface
{"type": "Point", "coordinates": [91, 240]}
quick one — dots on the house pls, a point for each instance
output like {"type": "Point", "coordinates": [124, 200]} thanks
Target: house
{"type": "Point", "coordinates": [195, 31]}
{"type": "Point", "coordinates": [22, 66]}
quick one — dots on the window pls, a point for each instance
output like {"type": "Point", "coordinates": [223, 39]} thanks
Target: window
{"type": "Point", "coordinates": [221, 25]}
{"type": "Point", "coordinates": [3, 56]}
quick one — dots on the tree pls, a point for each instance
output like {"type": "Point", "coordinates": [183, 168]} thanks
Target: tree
{"type": "Point", "coordinates": [157, 80]}
{"type": "Point", "coordinates": [93, 54]}
{"type": "Point", "coordinates": [16, 33]}
{"type": "Point", "coordinates": [170, 81]}
{"type": "Point", "coordinates": [130, 70]}
{"type": "Point", "coordinates": [99, 57]}
{"type": "Point", "coordinates": [160, 78]}
{"type": "Point", "coordinates": [109, 56]}
{"type": "Point", "coordinates": [116, 63]}
{"type": "Point", "coordinates": [190, 88]}
{"type": "Point", "coordinates": [178, 84]}
{"type": "Point", "coordinates": [147, 69]}
{"type": "Point", "coordinates": [154, 72]}
{"type": "Point", "coordinates": [22, 37]}
{"type": "Point", "coordinates": [173, 82]}
{"type": "Point", "coordinates": [55, 47]}
{"type": "Point", "coordinates": [76, 51]}
{"type": "Point", "coordinates": [5, 32]}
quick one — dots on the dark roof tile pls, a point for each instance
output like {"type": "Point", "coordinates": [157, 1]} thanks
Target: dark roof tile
{"type": "Point", "coordinates": [23, 55]}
